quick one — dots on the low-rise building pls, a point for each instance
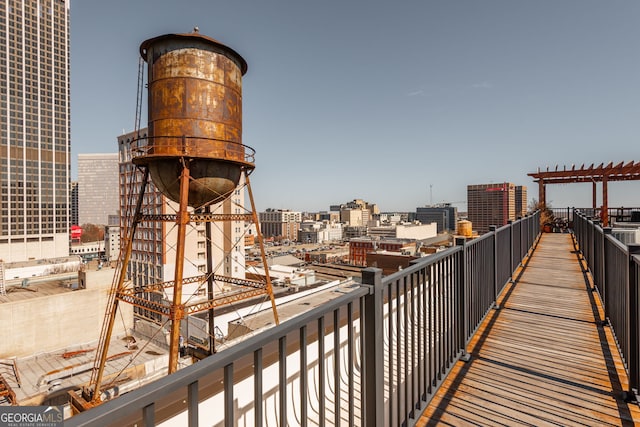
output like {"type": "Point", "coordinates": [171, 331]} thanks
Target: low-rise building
{"type": "Point", "coordinates": [405, 231]}
{"type": "Point", "coordinates": [280, 224]}
{"type": "Point", "coordinates": [88, 250]}
{"type": "Point", "coordinates": [360, 247]}
{"type": "Point", "coordinates": [112, 242]}
{"type": "Point", "coordinates": [389, 262]}
{"type": "Point", "coordinates": [320, 232]}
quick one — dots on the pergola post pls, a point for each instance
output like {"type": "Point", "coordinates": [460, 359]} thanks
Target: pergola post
{"type": "Point", "coordinates": [605, 203]}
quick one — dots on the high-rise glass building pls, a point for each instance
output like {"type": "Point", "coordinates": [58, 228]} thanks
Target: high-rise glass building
{"type": "Point", "coordinates": [34, 129]}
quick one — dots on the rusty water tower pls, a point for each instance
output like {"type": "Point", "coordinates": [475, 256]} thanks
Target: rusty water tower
{"type": "Point", "coordinates": [194, 155]}
{"type": "Point", "coordinates": [195, 113]}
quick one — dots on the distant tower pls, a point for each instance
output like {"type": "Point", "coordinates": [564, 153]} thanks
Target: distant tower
{"type": "Point", "coordinates": [34, 129]}
{"type": "Point", "coordinates": [97, 188]}
{"type": "Point", "coordinates": [491, 204]}
{"type": "Point", "coordinates": [521, 201]}
{"type": "Point", "coordinates": [74, 204]}
{"type": "Point", "coordinates": [194, 156]}
{"type": "Point", "coordinates": [445, 216]}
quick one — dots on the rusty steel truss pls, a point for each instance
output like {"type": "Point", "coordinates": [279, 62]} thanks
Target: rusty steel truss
{"type": "Point", "coordinates": [123, 292]}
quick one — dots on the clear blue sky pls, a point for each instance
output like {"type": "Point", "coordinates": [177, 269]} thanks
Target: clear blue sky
{"type": "Point", "coordinates": [398, 103]}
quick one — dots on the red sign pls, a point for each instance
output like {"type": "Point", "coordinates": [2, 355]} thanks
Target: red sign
{"type": "Point", "coordinates": [76, 232]}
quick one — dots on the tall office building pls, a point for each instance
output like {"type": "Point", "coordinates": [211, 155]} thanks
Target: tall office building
{"type": "Point", "coordinates": [97, 188]}
{"type": "Point", "coordinates": [357, 213]}
{"type": "Point", "coordinates": [34, 129]}
{"type": "Point", "coordinates": [491, 204]}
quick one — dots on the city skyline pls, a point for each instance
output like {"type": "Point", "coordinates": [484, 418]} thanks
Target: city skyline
{"type": "Point", "coordinates": [403, 105]}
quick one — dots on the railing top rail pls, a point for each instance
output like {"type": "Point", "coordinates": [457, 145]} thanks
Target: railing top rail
{"type": "Point", "coordinates": [479, 239]}
{"type": "Point", "coordinates": [504, 227]}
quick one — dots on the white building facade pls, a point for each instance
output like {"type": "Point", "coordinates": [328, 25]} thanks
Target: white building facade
{"type": "Point", "coordinates": [98, 190]}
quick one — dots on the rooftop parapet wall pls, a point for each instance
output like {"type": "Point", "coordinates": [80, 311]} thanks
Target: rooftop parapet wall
{"type": "Point", "coordinates": [53, 322]}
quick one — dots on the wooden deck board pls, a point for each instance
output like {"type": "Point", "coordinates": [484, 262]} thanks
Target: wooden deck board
{"type": "Point", "coordinates": [543, 358]}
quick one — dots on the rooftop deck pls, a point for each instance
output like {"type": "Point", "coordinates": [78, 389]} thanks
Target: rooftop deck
{"type": "Point", "coordinates": [544, 357]}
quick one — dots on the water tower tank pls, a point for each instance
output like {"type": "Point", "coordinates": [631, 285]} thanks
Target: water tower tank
{"type": "Point", "coordinates": [195, 116]}
{"type": "Point", "coordinates": [464, 228]}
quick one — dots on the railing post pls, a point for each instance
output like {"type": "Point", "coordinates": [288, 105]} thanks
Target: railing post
{"type": "Point", "coordinates": [192, 404]}
{"type": "Point", "coordinates": [493, 229]}
{"type": "Point", "coordinates": [464, 304]}
{"type": "Point", "coordinates": [373, 358]}
{"type": "Point", "coordinates": [606, 231]}
{"type": "Point", "coordinates": [594, 262]}
{"type": "Point", "coordinates": [589, 242]}
{"type": "Point", "coordinates": [525, 227]}
{"type": "Point", "coordinates": [634, 329]}
{"type": "Point", "coordinates": [512, 267]}
{"type": "Point", "coordinates": [521, 252]}
{"type": "Point", "coordinates": [149, 415]}
{"type": "Point", "coordinates": [527, 222]}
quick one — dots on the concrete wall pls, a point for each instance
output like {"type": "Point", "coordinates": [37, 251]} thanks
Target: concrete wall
{"type": "Point", "coordinates": [23, 251]}
{"type": "Point", "coordinates": [59, 321]}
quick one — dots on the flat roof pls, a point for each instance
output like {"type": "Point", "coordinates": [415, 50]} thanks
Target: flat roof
{"type": "Point", "coordinates": [36, 378]}
{"type": "Point", "coordinates": [291, 308]}
{"type": "Point", "coordinates": [52, 286]}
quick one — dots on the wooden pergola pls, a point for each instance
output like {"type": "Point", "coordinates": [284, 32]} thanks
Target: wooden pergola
{"type": "Point", "coordinates": [603, 173]}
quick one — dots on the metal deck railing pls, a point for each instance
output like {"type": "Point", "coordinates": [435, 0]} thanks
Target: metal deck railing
{"type": "Point", "coordinates": [374, 356]}
{"type": "Point", "coordinates": [615, 268]}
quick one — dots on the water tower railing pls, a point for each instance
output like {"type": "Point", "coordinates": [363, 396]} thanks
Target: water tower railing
{"type": "Point", "coordinates": [220, 149]}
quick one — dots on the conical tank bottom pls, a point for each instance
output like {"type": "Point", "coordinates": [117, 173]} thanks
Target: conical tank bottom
{"type": "Point", "coordinates": [211, 181]}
